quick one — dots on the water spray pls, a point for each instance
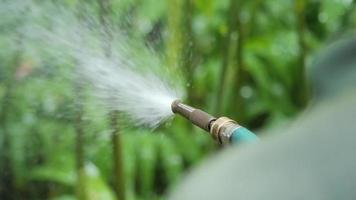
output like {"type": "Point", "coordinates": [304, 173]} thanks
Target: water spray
{"type": "Point", "coordinates": [222, 129]}
{"type": "Point", "coordinates": [123, 82]}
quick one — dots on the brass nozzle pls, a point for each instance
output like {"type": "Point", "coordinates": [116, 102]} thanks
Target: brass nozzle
{"type": "Point", "coordinates": [196, 116]}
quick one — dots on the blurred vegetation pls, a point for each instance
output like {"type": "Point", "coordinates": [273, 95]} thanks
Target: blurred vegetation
{"type": "Point", "coordinates": [244, 59]}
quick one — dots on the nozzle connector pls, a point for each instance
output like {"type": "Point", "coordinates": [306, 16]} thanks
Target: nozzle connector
{"type": "Point", "coordinates": [223, 129]}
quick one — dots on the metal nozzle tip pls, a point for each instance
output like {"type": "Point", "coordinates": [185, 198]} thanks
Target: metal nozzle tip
{"type": "Point", "coordinates": [174, 105]}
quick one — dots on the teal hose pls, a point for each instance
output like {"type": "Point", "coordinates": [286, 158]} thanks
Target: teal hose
{"type": "Point", "coordinates": [242, 135]}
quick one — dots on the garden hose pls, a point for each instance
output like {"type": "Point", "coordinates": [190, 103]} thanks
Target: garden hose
{"type": "Point", "coordinates": [222, 129]}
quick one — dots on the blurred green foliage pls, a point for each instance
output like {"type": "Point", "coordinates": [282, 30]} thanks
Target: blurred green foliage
{"type": "Point", "coordinates": [243, 59]}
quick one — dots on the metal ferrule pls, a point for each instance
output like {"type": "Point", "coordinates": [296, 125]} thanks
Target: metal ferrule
{"type": "Point", "coordinates": [222, 129]}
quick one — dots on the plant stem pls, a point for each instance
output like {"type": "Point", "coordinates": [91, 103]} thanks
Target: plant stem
{"type": "Point", "coordinates": [228, 51]}
{"type": "Point", "coordinates": [7, 177]}
{"type": "Point", "coordinates": [81, 190]}
{"type": "Point", "coordinates": [119, 181]}
{"type": "Point", "coordinates": [180, 42]}
{"type": "Point", "coordinates": [7, 185]}
{"type": "Point", "coordinates": [117, 146]}
{"type": "Point", "coordinates": [232, 61]}
{"type": "Point", "coordinates": [238, 103]}
{"type": "Point", "coordinates": [79, 145]}
{"type": "Point", "coordinates": [301, 91]}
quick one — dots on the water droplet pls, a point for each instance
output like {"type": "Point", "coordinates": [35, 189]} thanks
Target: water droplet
{"type": "Point", "coordinates": [323, 18]}
{"type": "Point", "coordinates": [246, 92]}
